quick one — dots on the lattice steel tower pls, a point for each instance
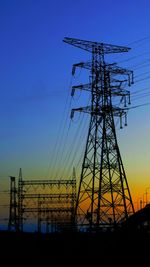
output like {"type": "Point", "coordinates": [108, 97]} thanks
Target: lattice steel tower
{"type": "Point", "coordinates": [104, 198]}
{"type": "Point", "coordinates": [13, 222]}
{"type": "Point", "coordinates": [20, 201]}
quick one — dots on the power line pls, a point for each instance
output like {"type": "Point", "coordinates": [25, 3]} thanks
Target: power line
{"type": "Point", "coordinates": [76, 145]}
{"type": "Point", "coordinates": [71, 147]}
{"type": "Point", "coordinates": [134, 57]}
{"type": "Point", "coordinates": [139, 40]}
{"type": "Point", "coordinates": [60, 134]}
{"type": "Point", "coordinates": [141, 105]}
{"type": "Point", "coordinates": [141, 65]}
{"type": "Point", "coordinates": [76, 141]}
{"type": "Point", "coordinates": [141, 90]}
{"type": "Point", "coordinates": [142, 96]}
{"type": "Point", "coordinates": [146, 78]}
{"type": "Point", "coordinates": [62, 151]}
{"type": "Point", "coordinates": [147, 72]}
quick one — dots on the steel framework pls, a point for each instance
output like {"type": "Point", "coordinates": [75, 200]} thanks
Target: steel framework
{"type": "Point", "coordinates": [46, 201]}
{"type": "Point", "coordinates": [57, 217]}
{"type": "Point", "coordinates": [13, 221]}
{"type": "Point", "coordinates": [20, 201]}
{"type": "Point", "coordinates": [104, 198]}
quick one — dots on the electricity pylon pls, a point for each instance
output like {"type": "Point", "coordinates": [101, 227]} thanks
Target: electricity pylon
{"type": "Point", "coordinates": [20, 201]}
{"type": "Point", "coordinates": [13, 222]}
{"type": "Point", "coordinates": [104, 198]}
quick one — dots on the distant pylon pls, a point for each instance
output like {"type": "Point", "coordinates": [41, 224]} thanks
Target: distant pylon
{"type": "Point", "coordinates": [13, 222]}
{"type": "Point", "coordinates": [20, 201]}
{"type": "Point", "coordinates": [104, 198]}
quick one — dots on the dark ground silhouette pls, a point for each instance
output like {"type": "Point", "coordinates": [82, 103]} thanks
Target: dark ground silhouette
{"type": "Point", "coordinates": [74, 249]}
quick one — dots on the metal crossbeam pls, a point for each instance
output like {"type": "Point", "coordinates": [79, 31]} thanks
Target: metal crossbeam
{"type": "Point", "coordinates": [48, 182]}
{"type": "Point", "coordinates": [101, 47]}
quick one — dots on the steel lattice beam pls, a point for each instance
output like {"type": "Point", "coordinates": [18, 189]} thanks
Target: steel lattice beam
{"type": "Point", "coordinates": [46, 200]}
{"type": "Point", "coordinates": [101, 47]}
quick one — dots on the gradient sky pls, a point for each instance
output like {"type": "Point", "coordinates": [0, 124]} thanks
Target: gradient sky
{"type": "Point", "coordinates": [35, 76]}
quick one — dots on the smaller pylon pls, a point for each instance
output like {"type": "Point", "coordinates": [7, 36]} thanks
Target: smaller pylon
{"type": "Point", "coordinates": [13, 222]}
{"type": "Point", "coordinates": [20, 201]}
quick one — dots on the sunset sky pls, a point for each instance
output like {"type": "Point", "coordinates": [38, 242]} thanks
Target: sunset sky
{"type": "Point", "coordinates": [36, 133]}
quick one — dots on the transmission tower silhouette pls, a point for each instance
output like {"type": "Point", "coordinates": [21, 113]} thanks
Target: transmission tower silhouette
{"type": "Point", "coordinates": [104, 198]}
{"type": "Point", "coordinates": [20, 201]}
{"type": "Point", "coordinates": [12, 223]}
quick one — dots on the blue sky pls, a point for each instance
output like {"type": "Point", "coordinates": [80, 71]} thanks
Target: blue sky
{"type": "Point", "coordinates": [35, 75]}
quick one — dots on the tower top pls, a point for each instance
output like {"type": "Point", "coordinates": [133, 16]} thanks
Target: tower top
{"type": "Point", "coordinates": [101, 48]}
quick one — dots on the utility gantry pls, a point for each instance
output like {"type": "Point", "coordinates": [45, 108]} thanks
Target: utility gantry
{"type": "Point", "coordinates": [104, 198]}
{"type": "Point", "coordinates": [49, 201]}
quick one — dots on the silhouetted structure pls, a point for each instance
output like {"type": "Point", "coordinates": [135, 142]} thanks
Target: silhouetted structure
{"type": "Point", "coordinates": [104, 198]}
{"type": "Point", "coordinates": [13, 221]}
{"type": "Point", "coordinates": [20, 201]}
{"type": "Point", "coordinates": [49, 201]}
{"type": "Point", "coordinates": [139, 221]}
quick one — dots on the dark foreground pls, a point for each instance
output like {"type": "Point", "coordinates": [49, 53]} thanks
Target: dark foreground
{"type": "Point", "coordinates": [72, 249]}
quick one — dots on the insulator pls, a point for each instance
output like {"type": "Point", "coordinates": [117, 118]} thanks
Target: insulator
{"type": "Point", "coordinates": [73, 91]}
{"type": "Point", "coordinates": [72, 114]}
{"type": "Point", "coordinates": [121, 121]}
{"type": "Point", "coordinates": [73, 70]}
{"type": "Point", "coordinates": [129, 102]}
{"type": "Point", "coordinates": [132, 78]}
{"type": "Point", "coordinates": [129, 80]}
{"type": "Point", "coordinates": [125, 119]}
